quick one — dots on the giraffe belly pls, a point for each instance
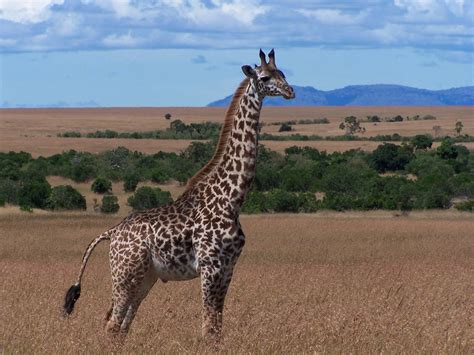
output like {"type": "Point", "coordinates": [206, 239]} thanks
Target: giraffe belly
{"type": "Point", "coordinates": [174, 269]}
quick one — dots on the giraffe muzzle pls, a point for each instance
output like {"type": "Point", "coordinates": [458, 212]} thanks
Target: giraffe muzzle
{"type": "Point", "coordinates": [289, 93]}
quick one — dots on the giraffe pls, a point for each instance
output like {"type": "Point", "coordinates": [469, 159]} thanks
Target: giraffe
{"type": "Point", "coordinates": [199, 235]}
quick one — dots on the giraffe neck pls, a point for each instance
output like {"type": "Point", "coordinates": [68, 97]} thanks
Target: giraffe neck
{"type": "Point", "coordinates": [237, 166]}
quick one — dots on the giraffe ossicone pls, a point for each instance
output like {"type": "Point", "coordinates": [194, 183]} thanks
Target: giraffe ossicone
{"type": "Point", "coordinates": [199, 235]}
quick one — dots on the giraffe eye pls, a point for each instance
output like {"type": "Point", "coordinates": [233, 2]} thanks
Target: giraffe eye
{"type": "Point", "coordinates": [265, 79]}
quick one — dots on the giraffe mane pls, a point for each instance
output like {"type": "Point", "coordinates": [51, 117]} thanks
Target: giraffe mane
{"type": "Point", "coordinates": [224, 135]}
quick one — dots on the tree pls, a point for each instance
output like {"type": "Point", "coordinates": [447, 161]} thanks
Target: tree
{"type": "Point", "coordinates": [130, 182]}
{"type": "Point", "coordinates": [389, 157]}
{"type": "Point", "coordinates": [83, 166]}
{"type": "Point", "coordinates": [351, 125]}
{"type": "Point", "coordinates": [109, 204]}
{"type": "Point", "coordinates": [160, 176]}
{"type": "Point", "coordinates": [447, 150]}
{"type": "Point", "coordinates": [255, 203]}
{"type": "Point", "coordinates": [198, 152]}
{"type": "Point", "coordinates": [282, 201]}
{"type": "Point", "coordinates": [178, 126]}
{"type": "Point", "coordinates": [285, 127]}
{"type": "Point", "coordinates": [373, 118]}
{"type": "Point", "coordinates": [147, 197]}
{"type": "Point", "coordinates": [467, 206]}
{"type": "Point", "coordinates": [459, 126]}
{"type": "Point", "coordinates": [9, 191]}
{"type": "Point", "coordinates": [101, 185]}
{"type": "Point", "coordinates": [34, 193]}
{"type": "Point", "coordinates": [168, 116]}
{"type": "Point", "coordinates": [422, 142]}
{"type": "Point", "coordinates": [65, 197]}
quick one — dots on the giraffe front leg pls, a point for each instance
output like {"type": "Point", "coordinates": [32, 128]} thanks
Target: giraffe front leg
{"type": "Point", "coordinates": [214, 284]}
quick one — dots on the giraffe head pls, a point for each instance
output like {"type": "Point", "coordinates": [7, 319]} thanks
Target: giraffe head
{"type": "Point", "coordinates": [269, 80]}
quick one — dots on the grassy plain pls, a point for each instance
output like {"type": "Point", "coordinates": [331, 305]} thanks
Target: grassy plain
{"type": "Point", "coordinates": [328, 282]}
{"type": "Point", "coordinates": [35, 130]}
{"type": "Point", "coordinates": [365, 282]}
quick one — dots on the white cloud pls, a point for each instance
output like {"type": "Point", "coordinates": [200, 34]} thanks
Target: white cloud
{"type": "Point", "coordinates": [121, 41]}
{"type": "Point", "coordinates": [435, 10]}
{"type": "Point", "coordinates": [26, 11]}
{"type": "Point", "coordinates": [85, 24]}
{"type": "Point", "coordinates": [243, 11]}
{"type": "Point", "coordinates": [121, 8]}
{"type": "Point", "coordinates": [221, 13]}
{"type": "Point", "coordinates": [66, 25]}
{"type": "Point", "coordinates": [334, 16]}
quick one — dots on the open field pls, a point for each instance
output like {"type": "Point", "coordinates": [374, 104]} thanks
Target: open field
{"type": "Point", "coordinates": [354, 282]}
{"type": "Point", "coordinates": [35, 130]}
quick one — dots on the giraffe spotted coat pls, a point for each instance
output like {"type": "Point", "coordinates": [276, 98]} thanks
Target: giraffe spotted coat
{"type": "Point", "coordinates": [199, 235]}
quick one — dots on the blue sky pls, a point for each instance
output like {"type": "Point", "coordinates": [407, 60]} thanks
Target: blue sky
{"type": "Point", "coordinates": [189, 52]}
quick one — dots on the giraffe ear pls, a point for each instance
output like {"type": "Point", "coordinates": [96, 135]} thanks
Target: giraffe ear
{"type": "Point", "coordinates": [248, 71]}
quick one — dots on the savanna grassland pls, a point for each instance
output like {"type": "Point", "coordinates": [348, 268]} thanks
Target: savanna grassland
{"type": "Point", "coordinates": [35, 130]}
{"type": "Point", "coordinates": [326, 283]}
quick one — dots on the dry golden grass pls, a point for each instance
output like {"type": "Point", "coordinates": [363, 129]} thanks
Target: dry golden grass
{"type": "Point", "coordinates": [35, 130]}
{"type": "Point", "coordinates": [326, 283]}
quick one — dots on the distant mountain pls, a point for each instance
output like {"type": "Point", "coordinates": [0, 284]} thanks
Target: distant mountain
{"type": "Point", "coordinates": [371, 95]}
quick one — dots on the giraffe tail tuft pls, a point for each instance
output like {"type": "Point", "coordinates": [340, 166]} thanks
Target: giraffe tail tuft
{"type": "Point", "coordinates": [71, 297]}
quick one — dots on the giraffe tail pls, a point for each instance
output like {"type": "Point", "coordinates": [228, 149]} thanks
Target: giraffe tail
{"type": "Point", "coordinates": [72, 295]}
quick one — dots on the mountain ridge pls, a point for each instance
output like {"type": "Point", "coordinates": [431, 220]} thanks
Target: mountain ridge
{"type": "Point", "coordinates": [370, 95]}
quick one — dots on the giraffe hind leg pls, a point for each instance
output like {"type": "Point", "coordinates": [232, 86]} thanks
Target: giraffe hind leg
{"type": "Point", "coordinates": [124, 293]}
{"type": "Point", "coordinates": [145, 287]}
{"type": "Point", "coordinates": [117, 315]}
{"type": "Point", "coordinates": [108, 314]}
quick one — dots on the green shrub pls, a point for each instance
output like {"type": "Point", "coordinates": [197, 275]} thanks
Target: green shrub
{"type": "Point", "coordinates": [463, 184]}
{"type": "Point", "coordinates": [467, 206]}
{"type": "Point", "coordinates": [422, 142]}
{"type": "Point", "coordinates": [159, 176]}
{"type": "Point", "coordinates": [101, 185]}
{"type": "Point", "coordinates": [70, 134]}
{"type": "Point", "coordinates": [65, 197]}
{"type": "Point", "coordinates": [78, 166]}
{"type": "Point", "coordinates": [130, 182]}
{"type": "Point", "coordinates": [282, 201]}
{"type": "Point", "coordinates": [447, 150]}
{"type": "Point", "coordinates": [307, 203]}
{"type": "Point", "coordinates": [25, 208]}
{"type": "Point", "coordinates": [9, 191]}
{"type": "Point", "coordinates": [285, 127]}
{"type": "Point", "coordinates": [426, 164]}
{"type": "Point", "coordinates": [109, 204]}
{"type": "Point", "coordinates": [198, 152]}
{"type": "Point", "coordinates": [255, 203]}
{"type": "Point", "coordinates": [34, 193]}
{"type": "Point", "coordinates": [147, 197]}
{"type": "Point", "coordinates": [390, 157]}
{"type": "Point", "coordinates": [374, 118]}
